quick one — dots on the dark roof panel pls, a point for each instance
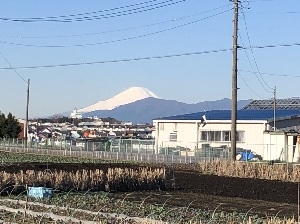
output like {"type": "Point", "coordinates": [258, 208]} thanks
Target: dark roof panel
{"type": "Point", "coordinates": [241, 115]}
{"type": "Point", "coordinates": [288, 104]}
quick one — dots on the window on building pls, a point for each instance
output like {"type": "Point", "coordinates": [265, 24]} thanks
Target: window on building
{"type": "Point", "coordinates": [221, 136]}
{"type": "Point", "coordinates": [214, 136]}
{"type": "Point", "coordinates": [204, 135]}
{"type": "Point", "coordinates": [173, 137]}
{"type": "Point", "coordinates": [161, 126]}
{"type": "Point", "coordinates": [210, 136]}
{"type": "Point", "coordinates": [226, 136]}
{"type": "Point", "coordinates": [217, 136]}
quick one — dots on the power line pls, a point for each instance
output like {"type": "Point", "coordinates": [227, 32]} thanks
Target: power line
{"type": "Point", "coordinates": [248, 86]}
{"type": "Point", "coordinates": [12, 67]}
{"type": "Point", "coordinates": [81, 14]}
{"type": "Point", "coordinates": [115, 41]}
{"type": "Point", "coordinates": [252, 52]}
{"type": "Point", "coordinates": [250, 63]}
{"type": "Point", "coordinates": [145, 58]}
{"type": "Point", "coordinates": [117, 30]}
{"type": "Point", "coordinates": [272, 74]}
{"type": "Point", "coordinates": [101, 16]}
{"type": "Point", "coordinates": [282, 12]}
{"type": "Point", "coordinates": [118, 60]}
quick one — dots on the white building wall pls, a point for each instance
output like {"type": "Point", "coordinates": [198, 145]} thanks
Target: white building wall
{"type": "Point", "coordinates": [189, 136]}
{"type": "Point", "coordinates": [274, 145]}
{"type": "Point", "coordinates": [279, 146]}
{"type": "Point", "coordinates": [186, 135]}
{"type": "Point", "coordinates": [253, 134]}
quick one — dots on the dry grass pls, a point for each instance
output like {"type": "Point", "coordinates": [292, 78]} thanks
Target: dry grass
{"type": "Point", "coordinates": [115, 179]}
{"type": "Point", "coordinates": [251, 170]}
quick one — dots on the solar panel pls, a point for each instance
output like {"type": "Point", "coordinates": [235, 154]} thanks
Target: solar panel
{"type": "Point", "coordinates": [281, 104]}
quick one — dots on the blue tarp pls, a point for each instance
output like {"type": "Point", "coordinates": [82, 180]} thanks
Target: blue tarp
{"type": "Point", "coordinates": [245, 156]}
{"type": "Point", "coordinates": [40, 192]}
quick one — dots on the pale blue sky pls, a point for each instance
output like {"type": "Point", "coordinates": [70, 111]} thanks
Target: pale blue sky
{"type": "Point", "coordinates": [188, 79]}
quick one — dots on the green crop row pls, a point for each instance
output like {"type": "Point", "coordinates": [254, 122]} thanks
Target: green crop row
{"type": "Point", "coordinates": [102, 202]}
{"type": "Point", "coordinates": [13, 157]}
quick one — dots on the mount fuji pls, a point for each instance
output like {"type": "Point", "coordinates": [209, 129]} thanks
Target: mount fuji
{"type": "Point", "coordinates": [140, 105]}
{"type": "Point", "coordinates": [130, 95]}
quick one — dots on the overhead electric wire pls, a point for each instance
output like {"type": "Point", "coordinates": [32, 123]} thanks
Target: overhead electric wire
{"type": "Point", "coordinates": [250, 63]}
{"type": "Point", "coordinates": [272, 74]}
{"type": "Point", "coordinates": [86, 13]}
{"type": "Point", "coordinates": [13, 68]}
{"type": "Point", "coordinates": [251, 68]}
{"type": "Point", "coordinates": [97, 17]}
{"type": "Point", "coordinates": [119, 60]}
{"type": "Point", "coordinates": [145, 58]}
{"type": "Point", "coordinates": [117, 30]}
{"type": "Point", "coordinates": [114, 41]}
{"type": "Point", "coordinates": [239, 75]}
{"type": "Point", "coordinates": [283, 12]}
{"type": "Point", "coordinates": [252, 52]}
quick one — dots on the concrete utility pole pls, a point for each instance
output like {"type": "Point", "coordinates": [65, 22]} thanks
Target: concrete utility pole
{"type": "Point", "coordinates": [274, 128]}
{"type": "Point", "coordinates": [27, 105]}
{"type": "Point", "coordinates": [234, 81]}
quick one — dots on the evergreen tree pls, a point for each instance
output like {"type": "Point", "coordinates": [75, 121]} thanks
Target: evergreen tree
{"type": "Point", "coordinates": [9, 126]}
{"type": "Point", "coordinates": [2, 125]}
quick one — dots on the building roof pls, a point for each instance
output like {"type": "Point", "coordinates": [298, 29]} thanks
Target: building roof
{"type": "Point", "coordinates": [281, 104]}
{"type": "Point", "coordinates": [86, 124]}
{"type": "Point", "coordinates": [241, 115]}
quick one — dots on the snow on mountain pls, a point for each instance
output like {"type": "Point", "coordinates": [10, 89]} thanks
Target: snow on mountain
{"type": "Point", "coordinates": [128, 96]}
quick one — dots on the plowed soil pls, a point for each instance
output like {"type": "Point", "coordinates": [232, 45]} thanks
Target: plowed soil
{"type": "Point", "coordinates": [190, 188]}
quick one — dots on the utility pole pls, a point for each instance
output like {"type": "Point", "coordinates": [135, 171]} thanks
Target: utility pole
{"type": "Point", "coordinates": [234, 81]}
{"type": "Point", "coordinates": [27, 105]}
{"type": "Point", "coordinates": [274, 128]}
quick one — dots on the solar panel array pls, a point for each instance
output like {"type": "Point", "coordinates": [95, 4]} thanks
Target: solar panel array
{"type": "Point", "coordinates": [281, 104]}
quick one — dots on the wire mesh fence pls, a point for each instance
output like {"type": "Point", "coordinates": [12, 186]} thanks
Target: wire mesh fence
{"type": "Point", "coordinates": [149, 151]}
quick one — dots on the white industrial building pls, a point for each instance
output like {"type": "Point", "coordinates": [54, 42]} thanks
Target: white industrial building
{"type": "Point", "coordinates": [75, 114]}
{"type": "Point", "coordinates": [255, 132]}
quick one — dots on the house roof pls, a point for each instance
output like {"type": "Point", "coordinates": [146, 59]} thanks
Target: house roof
{"type": "Point", "coordinates": [241, 115]}
{"type": "Point", "coordinates": [86, 124]}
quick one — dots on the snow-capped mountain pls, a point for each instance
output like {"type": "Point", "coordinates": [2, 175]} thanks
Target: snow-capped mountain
{"type": "Point", "coordinates": [128, 96]}
{"type": "Point", "coordinates": [140, 105]}
{"type": "Point", "coordinates": [145, 110]}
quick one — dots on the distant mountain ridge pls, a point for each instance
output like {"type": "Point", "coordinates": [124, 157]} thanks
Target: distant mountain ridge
{"type": "Point", "coordinates": [145, 110]}
{"type": "Point", "coordinates": [140, 105]}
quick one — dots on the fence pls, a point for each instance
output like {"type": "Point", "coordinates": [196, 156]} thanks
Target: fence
{"type": "Point", "coordinates": [123, 156]}
{"type": "Point", "coordinates": [113, 145]}
{"type": "Point", "coordinates": [116, 149]}
{"type": "Point", "coordinates": [208, 150]}
{"type": "Point", "coordinates": [145, 150]}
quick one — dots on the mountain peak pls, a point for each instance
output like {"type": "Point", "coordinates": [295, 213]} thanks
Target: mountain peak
{"type": "Point", "coordinates": [130, 95]}
{"type": "Point", "coordinates": [138, 91]}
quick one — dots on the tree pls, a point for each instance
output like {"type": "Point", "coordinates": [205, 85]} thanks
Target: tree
{"type": "Point", "coordinates": [2, 124]}
{"type": "Point", "coordinates": [9, 126]}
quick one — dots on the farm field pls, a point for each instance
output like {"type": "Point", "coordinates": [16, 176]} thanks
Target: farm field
{"type": "Point", "coordinates": [130, 192]}
{"type": "Point", "coordinates": [185, 192]}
